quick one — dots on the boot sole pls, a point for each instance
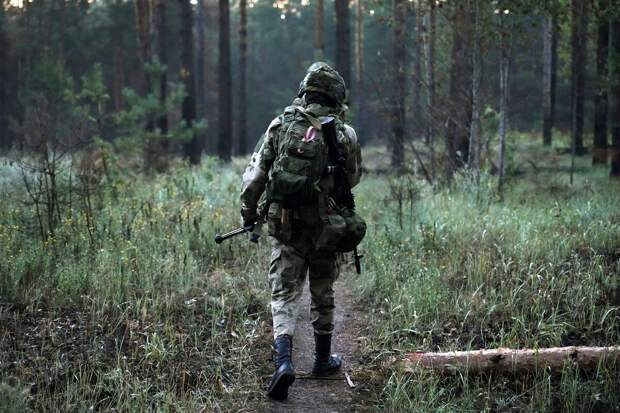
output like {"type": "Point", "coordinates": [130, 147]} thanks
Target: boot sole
{"type": "Point", "coordinates": [279, 389]}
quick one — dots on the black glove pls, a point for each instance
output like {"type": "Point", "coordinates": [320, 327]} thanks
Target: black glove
{"type": "Point", "coordinates": [249, 218]}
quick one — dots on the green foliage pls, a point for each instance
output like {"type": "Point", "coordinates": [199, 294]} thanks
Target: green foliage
{"type": "Point", "coordinates": [137, 123]}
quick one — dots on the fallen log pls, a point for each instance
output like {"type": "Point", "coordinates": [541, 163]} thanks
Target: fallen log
{"type": "Point", "coordinates": [509, 360]}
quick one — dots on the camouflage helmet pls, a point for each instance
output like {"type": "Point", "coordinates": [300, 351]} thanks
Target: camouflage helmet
{"type": "Point", "coordinates": [321, 77]}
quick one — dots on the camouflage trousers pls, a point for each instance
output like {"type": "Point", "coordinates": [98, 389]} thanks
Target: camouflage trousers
{"type": "Point", "coordinates": [288, 270]}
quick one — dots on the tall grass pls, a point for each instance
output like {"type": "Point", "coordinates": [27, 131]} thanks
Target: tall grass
{"type": "Point", "coordinates": [540, 269]}
{"type": "Point", "coordinates": [143, 311]}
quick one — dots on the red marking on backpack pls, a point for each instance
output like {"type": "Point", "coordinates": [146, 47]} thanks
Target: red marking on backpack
{"type": "Point", "coordinates": [310, 134]}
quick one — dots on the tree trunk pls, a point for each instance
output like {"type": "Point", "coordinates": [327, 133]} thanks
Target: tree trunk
{"type": "Point", "coordinates": [398, 85]}
{"type": "Point", "coordinates": [508, 360]}
{"type": "Point", "coordinates": [359, 49]}
{"type": "Point", "coordinates": [504, 66]}
{"type": "Point", "coordinates": [319, 31]}
{"type": "Point", "coordinates": [475, 140]}
{"type": "Point", "coordinates": [192, 148]}
{"type": "Point", "coordinates": [578, 54]}
{"type": "Point", "coordinates": [615, 97]}
{"type": "Point", "coordinates": [201, 89]}
{"type": "Point", "coordinates": [429, 46]}
{"type": "Point", "coordinates": [4, 82]}
{"type": "Point", "coordinates": [159, 41]}
{"type": "Point", "coordinates": [457, 132]}
{"type": "Point", "coordinates": [417, 71]}
{"type": "Point", "coordinates": [599, 151]}
{"type": "Point", "coordinates": [343, 40]}
{"type": "Point", "coordinates": [143, 29]}
{"type": "Point", "coordinates": [118, 79]}
{"type": "Point", "coordinates": [548, 35]}
{"type": "Point", "coordinates": [243, 47]}
{"type": "Point", "coordinates": [224, 84]}
{"type": "Point", "coordinates": [143, 10]}
{"type": "Point", "coordinates": [60, 29]}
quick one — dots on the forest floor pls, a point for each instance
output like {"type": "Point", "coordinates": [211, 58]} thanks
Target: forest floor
{"type": "Point", "coordinates": [333, 394]}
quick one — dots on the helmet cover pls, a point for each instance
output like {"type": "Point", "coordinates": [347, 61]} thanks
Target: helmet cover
{"type": "Point", "coordinates": [321, 77]}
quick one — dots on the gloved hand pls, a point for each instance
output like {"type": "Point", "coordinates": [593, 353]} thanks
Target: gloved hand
{"type": "Point", "coordinates": [249, 218]}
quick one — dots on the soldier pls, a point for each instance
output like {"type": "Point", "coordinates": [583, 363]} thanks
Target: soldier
{"type": "Point", "coordinates": [288, 171]}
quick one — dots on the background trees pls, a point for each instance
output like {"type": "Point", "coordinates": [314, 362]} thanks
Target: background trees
{"type": "Point", "coordinates": [429, 68]}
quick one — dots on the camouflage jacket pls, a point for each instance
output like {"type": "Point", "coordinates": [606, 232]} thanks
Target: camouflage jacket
{"type": "Point", "coordinates": [256, 174]}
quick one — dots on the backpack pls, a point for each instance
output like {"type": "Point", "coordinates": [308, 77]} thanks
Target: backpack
{"type": "Point", "coordinates": [295, 175]}
{"type": "Point", "coordinates": [298, 183]}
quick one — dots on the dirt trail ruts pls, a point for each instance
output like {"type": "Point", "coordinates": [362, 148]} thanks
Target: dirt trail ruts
{"type": "Point", "coordinates": [309, 394]}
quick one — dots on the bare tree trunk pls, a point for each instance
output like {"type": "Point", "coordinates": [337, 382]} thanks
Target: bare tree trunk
{"type": "Point", "coordinates": [319, 31]}
{"type": "Point", "coordinates": [143, 29]}
{"type": "Point", "coordinates": [615, 98]}
{"type": "Point", "coordinates": [200, 69]}
{"type": "Point", "coordinates": [4, 82]}
{"type": "Point", "coordinates": [599, 152]}
{"type": "Point", "coordinates": [159, 40]}
{"type": "Point", "coordinates": [61, 37]}
{"type": "Point", "coordinates": [243, 47]}
{"type": "Point", "coordinates": [359, 47]}
{"type": "Point", "coordinates": [343, 40]}
{"type": "Point", "coordinates": [429, 46]}
{"type": "Point", "coordinates": [144, 13]}
{"type": "Point", "coordinates": [457, 132]}
{"type": "Point", "coordinates": [192, 148]}
{"type": "Point", "coordinates": [475, 140]}
{"type": "Point", "coordinates": [118, 72]}
{"type": "Point", "coordinates": [578, 53]}
{"type": "Point", "coordinates": [504, 66]}
{"type": "Point", "coordinates": [224, 84]}
{"type": "Point", "coordinates": [417, 71]}
{"type": "Point", "coordinates": [399, 86]}
{"type": "Point", "coordinates": [508, 360]}
{"type": "Point", "coordinates": [547, 48]}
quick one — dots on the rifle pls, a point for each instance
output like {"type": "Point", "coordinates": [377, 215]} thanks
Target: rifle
{"type": "Point", "coordinates": [220, 238]}
{"type": "Point", "coordinates": [338, 168]}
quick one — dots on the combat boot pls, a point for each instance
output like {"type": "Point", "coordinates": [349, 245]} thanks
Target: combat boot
{"type": "Point", "coordinates": [284, 375]}
{"type": "Point", "coordinates": [324, 362]}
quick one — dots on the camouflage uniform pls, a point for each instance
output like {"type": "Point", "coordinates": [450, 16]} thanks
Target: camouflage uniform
{"type": "Point", "coordinates": [293, 260]}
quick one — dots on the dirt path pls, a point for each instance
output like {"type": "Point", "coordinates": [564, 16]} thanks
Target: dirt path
{"type": "Point", "coordinates": [309, 394]}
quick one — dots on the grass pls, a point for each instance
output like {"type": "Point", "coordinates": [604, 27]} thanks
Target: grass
{"type": "Point", "coordinates": [459, 270]}
{"type": "Point", "coordinates": [139, 310]}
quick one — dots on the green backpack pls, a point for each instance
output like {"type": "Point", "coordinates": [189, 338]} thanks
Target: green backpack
{"type": "Point", "coordinates": [295, 176]}
{"type": "Point", "coordinates": [298, 182]}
